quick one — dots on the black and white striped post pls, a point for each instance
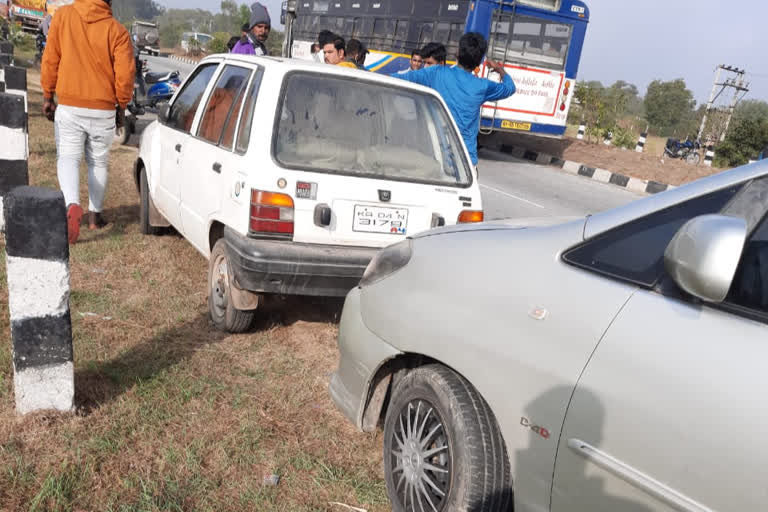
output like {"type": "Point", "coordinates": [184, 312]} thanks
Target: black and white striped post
{"type": "Point", "coordinates": [15, 82]}
{"type": "Point", "coordinates": [709, 156]}
{"type": "Point", "coordinates": [37, 259]}
{"type": "Point", "coordinates": [640, 147]}
{"type": "Point", "coordinates": [13, 148]}
{"type": "Point", "coordinates": [6, 53]}
{"type": "Point", "coordinates": [582, 130]}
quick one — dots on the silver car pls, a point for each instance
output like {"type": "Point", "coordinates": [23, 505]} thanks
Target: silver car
{"type": "Point", "coordinates": [617, 362]}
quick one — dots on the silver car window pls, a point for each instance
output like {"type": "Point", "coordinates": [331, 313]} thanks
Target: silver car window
{"type": "Point", "coordinates": [635, 251]}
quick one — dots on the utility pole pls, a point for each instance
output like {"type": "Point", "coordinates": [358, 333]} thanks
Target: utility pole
{"type": "Point", "coordinates": [740, 89]}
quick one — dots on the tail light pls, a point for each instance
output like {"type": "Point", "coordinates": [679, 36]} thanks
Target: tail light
{"type": "Point", "coordinates": [271, 213]}
{"type": "Point", "coordinates": [470, 216]}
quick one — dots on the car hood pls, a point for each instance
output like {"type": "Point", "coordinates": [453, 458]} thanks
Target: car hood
{"type": "Point", "coordinates": [500, 224]}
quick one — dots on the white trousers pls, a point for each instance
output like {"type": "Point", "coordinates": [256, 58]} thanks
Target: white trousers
{"type": "Point", "coordinates": [77, 131]}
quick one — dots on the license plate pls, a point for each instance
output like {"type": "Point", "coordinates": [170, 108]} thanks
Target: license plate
{"type": "Point", "coordinates": [378, 219]}
{"type": "Point", "coordinates": [513, 125]}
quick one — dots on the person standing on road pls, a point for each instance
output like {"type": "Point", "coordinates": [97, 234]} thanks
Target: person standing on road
{"type": "Point", "coordinates": [88, 64]}
{"type": "Point", "coordinates": [463, 92]}
{"type": "Point", "coordinates": [259, 26]}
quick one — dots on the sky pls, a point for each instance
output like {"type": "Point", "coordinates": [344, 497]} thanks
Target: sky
{"type": "Point", "coordinates": [639, 42]}
{"type": "Point", "coordinates": [667, 39]}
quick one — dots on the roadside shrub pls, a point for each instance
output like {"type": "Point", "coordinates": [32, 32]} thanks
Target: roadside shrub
{"type": "Point", "coordinates": [219, 43]}
{"type": "Point", "coordinates": [623, 138]}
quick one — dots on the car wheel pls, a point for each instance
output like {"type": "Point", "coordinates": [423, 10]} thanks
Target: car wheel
{"type": "Point", "coordinates": [693, 158]}
{"type": "Point", "coordinates": [442, 448]}
{"type": "Point", "coordinates": [144, 226]}
{"type": "Point", "coordinates": [223, 312]}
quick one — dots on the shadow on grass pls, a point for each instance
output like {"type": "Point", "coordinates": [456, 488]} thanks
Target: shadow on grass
{"type": "Point", "coordinates": [103, 382]}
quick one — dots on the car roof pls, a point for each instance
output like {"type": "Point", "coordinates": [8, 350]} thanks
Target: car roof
{"type": "Point", "coordinates": [604, 221]}
{"type": "Point", "coordinates": [286, 65]}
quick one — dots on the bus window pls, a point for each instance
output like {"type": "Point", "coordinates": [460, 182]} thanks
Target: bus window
{"type": "Point", "coordinates": [425, 35]}
{"type": "Point", "coordinates": [401, 32]}
{"type": "Point", "coordinates": [338, 27]}
{"type": "Point", "coordinates": [320, 6]}
{"type": "Point", "coordinates": [534, 41]}
{"type": "Point", "coordinates": [382, 32]}
{"type": "Point", "coordinates": [349, 27]}
{"type": "Point", "coordinates": [400, 8]}
{"type": "Point", "coordinates": [366, 29]}
{"type": "Point", "coordinates": [442, 32]}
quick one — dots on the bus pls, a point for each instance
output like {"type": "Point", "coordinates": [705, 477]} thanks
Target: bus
{"type": "Point", "coordinates": [539, 42]}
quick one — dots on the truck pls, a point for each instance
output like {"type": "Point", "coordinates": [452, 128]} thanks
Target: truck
{"type": "Point", "coordinates": [146, 37]}
{"type": "Point", "coordinates": [28, 13]}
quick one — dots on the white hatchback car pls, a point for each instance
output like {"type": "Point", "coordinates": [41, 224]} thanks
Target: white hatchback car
{"type": "Point", "coordinates": [290, 175]}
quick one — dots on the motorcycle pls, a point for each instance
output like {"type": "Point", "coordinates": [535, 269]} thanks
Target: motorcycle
{"type": "Point", "coordinates": [150, 89]}
{"type": "Point", "coordinates": [687, 150]}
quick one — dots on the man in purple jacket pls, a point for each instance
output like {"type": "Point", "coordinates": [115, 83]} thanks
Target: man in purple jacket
{"type": "Point", "coordinates": [258, 31]}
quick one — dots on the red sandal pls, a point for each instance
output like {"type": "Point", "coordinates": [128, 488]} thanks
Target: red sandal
{"type": "Point", "coordinates": [74, 217]}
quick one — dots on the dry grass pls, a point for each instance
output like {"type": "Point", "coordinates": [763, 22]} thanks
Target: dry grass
{"type": "Point", "coordinates": [173, 415]}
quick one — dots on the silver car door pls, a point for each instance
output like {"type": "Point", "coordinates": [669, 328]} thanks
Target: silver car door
{"type": "Point", "coordinates": [668, 414]}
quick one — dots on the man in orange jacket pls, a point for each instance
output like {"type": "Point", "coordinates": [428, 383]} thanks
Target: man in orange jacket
{"type": "Point", "coordinates": [88, 63]}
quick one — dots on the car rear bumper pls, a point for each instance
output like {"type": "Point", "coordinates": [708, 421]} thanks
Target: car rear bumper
{"type": "Point", "coordinates": [361, 354]}
{"type": "Point", "coordinates": [291, 268]}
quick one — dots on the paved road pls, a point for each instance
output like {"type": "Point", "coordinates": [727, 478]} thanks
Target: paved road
{"type": "Point", "coordinates": [510, 187]}
{"type": "Point", "coordinates": [515, 188]}
{"type": "Point", "coordinates": [164, 64]}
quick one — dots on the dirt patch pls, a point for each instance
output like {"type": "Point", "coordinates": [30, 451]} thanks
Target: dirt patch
{"type": "Point", "coordinates": [648, 165]}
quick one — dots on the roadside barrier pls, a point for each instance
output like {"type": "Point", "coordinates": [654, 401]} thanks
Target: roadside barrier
{"type": "Point", "coordinates": [709, 156]}
{"type": "Point", "coordinates": [6, 53]}
{"type": "Point", "coordinates": [641, 142]}
{"type": "Point", "coordinates": [14, 80]}
{"type": "Point", "coordinates": [37, 259]}
{"type": "Point", "coordinates": [582, 130]}
{"type": "Point", "coordinates": [14, 147]}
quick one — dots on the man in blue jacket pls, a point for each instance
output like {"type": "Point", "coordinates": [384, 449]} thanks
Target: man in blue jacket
{"type": "Point", "coordinates": [463, 92]}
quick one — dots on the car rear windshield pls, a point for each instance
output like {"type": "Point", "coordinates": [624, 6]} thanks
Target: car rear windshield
{"type": "Point", "coordinates": [360, 128]}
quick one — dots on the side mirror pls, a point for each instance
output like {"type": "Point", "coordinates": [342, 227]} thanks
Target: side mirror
{"type": "Point", "coordinates": [703, 256]}
{"type": "Point", "coordinates": [164, 112]}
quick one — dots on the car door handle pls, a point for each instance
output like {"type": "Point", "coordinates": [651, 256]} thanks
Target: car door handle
{"type": "Point", "coordinates": [217, 167]}
{"type": "Point", "coordinates": [178, 148]}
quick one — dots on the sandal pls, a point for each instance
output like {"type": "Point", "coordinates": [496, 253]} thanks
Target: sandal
{"type": "Point", "coordinates": [96, 220]}
{"type": "Point", "coordinates": [74, 217]}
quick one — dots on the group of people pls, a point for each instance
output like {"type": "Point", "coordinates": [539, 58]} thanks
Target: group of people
{"type": "Point", "coordinates": [463, 91]}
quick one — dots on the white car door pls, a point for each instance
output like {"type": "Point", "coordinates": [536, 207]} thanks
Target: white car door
{"type": "Point", "coordinates": [173, 136]}
{"type": "Point", "coordinates": [210, 166]}
{"type": "Point", "coordinates": [669, 413]}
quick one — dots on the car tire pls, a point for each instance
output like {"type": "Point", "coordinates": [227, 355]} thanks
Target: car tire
{"type": "Point", "coordinates": [464, 457]}
{"type": "Point", "coordinates": [144, 205]}
{"type": "Point", "coordinates": [223, 313]}
{"type": "Point", "coordinates": [693, 158]}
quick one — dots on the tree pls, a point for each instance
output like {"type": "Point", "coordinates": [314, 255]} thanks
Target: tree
{"type": "Point", "coordinates": [669, 108]}
{"type": "Point", "coordinates": [245, 14]}
{"type": "Point", "coordinates": [744, 141]}
{"type": "Point", "coordinates": [751, 109]}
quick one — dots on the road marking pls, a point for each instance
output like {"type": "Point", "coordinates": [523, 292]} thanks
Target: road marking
{"type": "Point", "coordinates": [511, 195]}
